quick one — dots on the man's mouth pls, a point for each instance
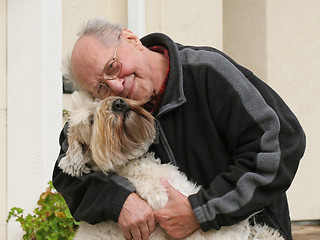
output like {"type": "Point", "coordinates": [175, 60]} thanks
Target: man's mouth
{"type": "Point", "coordinates": [131, 92]}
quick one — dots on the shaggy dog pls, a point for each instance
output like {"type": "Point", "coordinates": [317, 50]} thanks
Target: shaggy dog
{"type": "Point", "coordinates": [114, 135]}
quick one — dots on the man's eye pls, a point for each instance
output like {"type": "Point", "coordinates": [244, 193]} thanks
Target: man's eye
{"type": "Point", "coordinates": [99, 88]}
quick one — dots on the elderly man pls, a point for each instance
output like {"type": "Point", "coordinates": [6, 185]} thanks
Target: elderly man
{"type": "Point", "coordinates": [220, 124]}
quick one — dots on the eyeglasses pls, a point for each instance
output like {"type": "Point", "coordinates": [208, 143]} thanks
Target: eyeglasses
{"type": "Point", "coordinates": [111, 71]}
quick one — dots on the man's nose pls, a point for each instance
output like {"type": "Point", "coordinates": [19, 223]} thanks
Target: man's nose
{"type": "Point", "coordinates": [116, 85]}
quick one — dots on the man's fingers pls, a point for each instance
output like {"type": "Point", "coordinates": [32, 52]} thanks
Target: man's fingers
{"type": "Point", "coordinates": [136, 235]}
{"type": "Point", "coordinates": [164, 182]}
{"type": "Point", "coordinates": [140, 233]}
{"type": "Point", "coordinates": [151, 224]}
{"type": "Point", "coordinates": [144, 232]}
{"type": "Point", "coordinates": [172, 192]}
{"type": "Point", "coordinates": [127, 234]}
{"type": "Point", "coordinates": [136, 218]}
{"type": "Point", "coordinates": [176, 217]}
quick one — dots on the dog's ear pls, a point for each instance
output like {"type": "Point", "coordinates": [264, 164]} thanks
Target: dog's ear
{"type": "Point", "coordinates": [83, 109]}
{"type": "Point", "coordinates": [80, 129]}
{"type": "Point", "coordinates": [74, 163]}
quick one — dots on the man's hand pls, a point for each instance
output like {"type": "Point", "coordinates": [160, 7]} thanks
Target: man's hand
{"type": "Point", "coordinates": [136, 218]}
{"type": "Point", "coordinates": [177, 217]}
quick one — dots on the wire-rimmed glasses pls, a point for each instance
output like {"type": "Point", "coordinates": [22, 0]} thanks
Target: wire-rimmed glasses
{"type": "Point", "coordinates": [111, 71]}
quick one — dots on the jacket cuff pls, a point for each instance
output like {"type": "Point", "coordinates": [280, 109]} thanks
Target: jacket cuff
{"type": "Point", "coordinates": [121, 197]}
{"type": "Point", "coordinates": [205, 224]}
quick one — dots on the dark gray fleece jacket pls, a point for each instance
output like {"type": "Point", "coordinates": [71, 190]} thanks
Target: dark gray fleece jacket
{"type": "Point", "coordinates": [223, 127]}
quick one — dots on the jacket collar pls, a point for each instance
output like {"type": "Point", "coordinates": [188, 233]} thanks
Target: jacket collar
{"type": "Point", "coordinates": [174, 94]}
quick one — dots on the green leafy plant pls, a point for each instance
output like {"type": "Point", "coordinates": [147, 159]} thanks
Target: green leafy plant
{"type": "Point", "coordinates": [51, 220]}
{"type": "Point", "coordinates": [65, 113]}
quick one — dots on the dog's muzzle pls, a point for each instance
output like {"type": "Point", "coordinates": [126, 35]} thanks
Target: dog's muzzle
{"type": "Point", "coordinates": [120, 106]}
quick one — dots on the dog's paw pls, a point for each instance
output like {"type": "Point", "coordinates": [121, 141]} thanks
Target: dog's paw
{"type": "Point", "coordinates": [83, 170]}
{"type": "Point", "coordinates": [73, 168]}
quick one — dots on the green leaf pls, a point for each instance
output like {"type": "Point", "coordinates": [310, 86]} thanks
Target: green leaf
{"type": "Point", "coordinates": [51, 220]}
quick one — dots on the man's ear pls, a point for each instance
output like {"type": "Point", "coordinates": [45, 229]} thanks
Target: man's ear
{"type": "Point", "coordinates": [131, 37]}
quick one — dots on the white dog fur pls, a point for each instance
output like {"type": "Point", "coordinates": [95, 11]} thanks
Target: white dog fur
{"type": "Point", "coordinates": [108, 138]}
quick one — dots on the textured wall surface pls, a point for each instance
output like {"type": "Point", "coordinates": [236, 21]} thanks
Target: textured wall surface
{"type": "Point", "coordinates": [293, 36]}
{"type": "Point", "coordinates": [3, 118]}
{"type": "Point", "coordinates": [34, 101]}
{"type": "Point", "coordinates": [185, 21]}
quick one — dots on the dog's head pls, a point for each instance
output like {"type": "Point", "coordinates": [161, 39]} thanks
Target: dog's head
{"type": "Point", "coordinates": [108, 132]}
{"type": "Point", "coordinates": [121, 130]}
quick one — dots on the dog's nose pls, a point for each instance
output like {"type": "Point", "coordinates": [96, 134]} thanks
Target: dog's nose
{"type": "Point", "coordinates": [119, 105]}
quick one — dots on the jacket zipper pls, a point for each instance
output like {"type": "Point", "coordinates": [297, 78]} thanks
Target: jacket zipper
{"type": "Point", "coordinates": [164, 142]}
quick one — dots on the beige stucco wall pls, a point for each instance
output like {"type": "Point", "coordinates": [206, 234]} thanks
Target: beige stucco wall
{"type": "Point", "coordinates": [34, 101]}
{"type": "Point", "coordinates": [279, 41]}
{"type": "Point", "coordinates": [3, 118]}
{"type": "Point", "coordinates": [186, 22]}
{"type": "Point", "coordinates": [293, 39]}
{"type": "Point", "coordinates": [244, 33]}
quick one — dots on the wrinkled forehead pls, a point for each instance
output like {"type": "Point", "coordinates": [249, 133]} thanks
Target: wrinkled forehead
{"type": "Point", "coordinates": [88, 50]}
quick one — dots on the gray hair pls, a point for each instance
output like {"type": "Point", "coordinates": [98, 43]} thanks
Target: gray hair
{"type": "Point", "coordinates": [102, 29]}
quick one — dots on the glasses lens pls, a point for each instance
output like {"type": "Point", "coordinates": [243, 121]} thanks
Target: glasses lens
{"type": "Point", "coordinates": [103, 91]}
{"type": "Point", "coordinates": [112, 70]}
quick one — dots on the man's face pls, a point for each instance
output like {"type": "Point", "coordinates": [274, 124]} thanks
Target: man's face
{"type": "Point", "coordinates": [90, 56]}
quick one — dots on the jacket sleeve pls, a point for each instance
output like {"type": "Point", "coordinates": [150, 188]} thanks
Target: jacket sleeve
{"type": "Point", "coordinates": [266, 143]}
{"type": "Point", "coordinates": [94, 197]}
